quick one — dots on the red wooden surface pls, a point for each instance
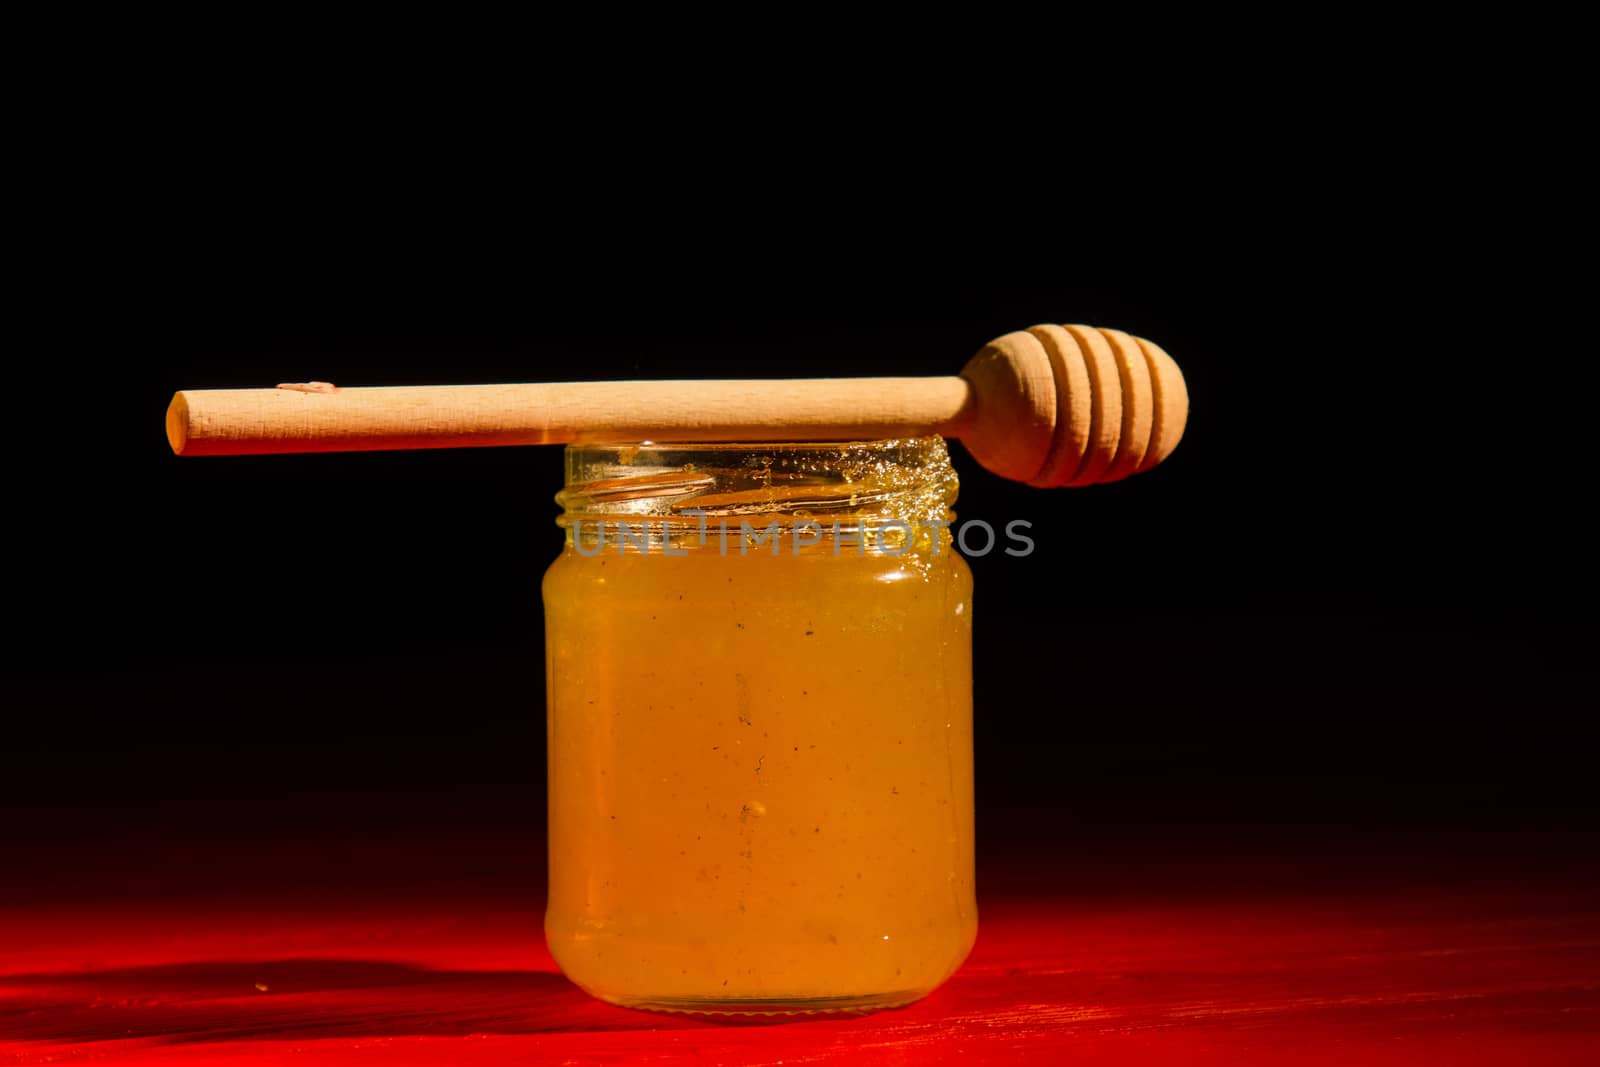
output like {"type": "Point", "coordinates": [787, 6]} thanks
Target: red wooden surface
{"type": "Point", "coordinates": [1377, 969]}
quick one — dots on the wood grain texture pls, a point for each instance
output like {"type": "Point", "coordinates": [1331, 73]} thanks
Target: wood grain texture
{"type": "Point", "coordinates": [1171, 404]}
{"type": "Point", "coordinates": [1378, 976]}
{"type": "Point", "coordinates": [1106, 384]}
{"type": "Point", "coordinates": [1013, 423]}
{"type": "Point", "coordinates": [213, 422]}
{"type": "Point", "coordinates": [1138, 405]}
{"type": "Point", "coordinates": [1074, 406]}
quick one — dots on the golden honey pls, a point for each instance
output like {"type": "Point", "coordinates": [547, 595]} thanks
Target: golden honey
{"type": "Point", "coordinates": [760, 727]}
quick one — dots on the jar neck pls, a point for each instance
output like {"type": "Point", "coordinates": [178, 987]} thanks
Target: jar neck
{"type": "Point", "coordinates": [893, 492]}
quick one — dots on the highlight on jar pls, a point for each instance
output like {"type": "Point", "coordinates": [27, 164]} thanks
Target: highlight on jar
{"type": "Point", "coordinates": [758, 646]}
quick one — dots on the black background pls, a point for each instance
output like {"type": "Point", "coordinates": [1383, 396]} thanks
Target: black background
{"type": "Point", "coordinates": [1356, 600]}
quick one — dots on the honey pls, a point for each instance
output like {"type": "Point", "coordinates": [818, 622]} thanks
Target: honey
{"type": "Point", "coordinates": [760, 727]}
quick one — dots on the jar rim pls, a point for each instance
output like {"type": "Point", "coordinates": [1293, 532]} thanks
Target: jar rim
{"type": "Point", "coordinates": [898, 478]}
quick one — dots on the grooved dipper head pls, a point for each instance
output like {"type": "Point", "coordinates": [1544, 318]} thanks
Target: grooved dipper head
{"type": "Point", "coordinates": [1073, 405]}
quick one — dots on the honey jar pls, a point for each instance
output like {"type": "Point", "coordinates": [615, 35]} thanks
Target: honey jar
{"type": "Point", "coordinates": [760, 726]}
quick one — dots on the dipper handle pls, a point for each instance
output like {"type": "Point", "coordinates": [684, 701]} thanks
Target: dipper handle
{"type": "Point", "coordinates": [1050, 406]}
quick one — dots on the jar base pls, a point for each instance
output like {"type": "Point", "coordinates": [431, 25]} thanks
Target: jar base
{"type": "Point", "coordinates": [843, 1005]}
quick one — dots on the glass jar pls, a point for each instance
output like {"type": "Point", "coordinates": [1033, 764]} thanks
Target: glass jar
{"type": "Point", "coordinates": [760, 726]}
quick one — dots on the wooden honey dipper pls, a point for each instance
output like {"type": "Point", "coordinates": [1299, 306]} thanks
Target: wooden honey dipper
{"type": "Point", "coordinates": [1050, 406]}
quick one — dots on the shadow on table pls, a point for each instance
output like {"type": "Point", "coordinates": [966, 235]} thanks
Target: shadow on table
{"type": "Point", "coordinates": [240, 1000]}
